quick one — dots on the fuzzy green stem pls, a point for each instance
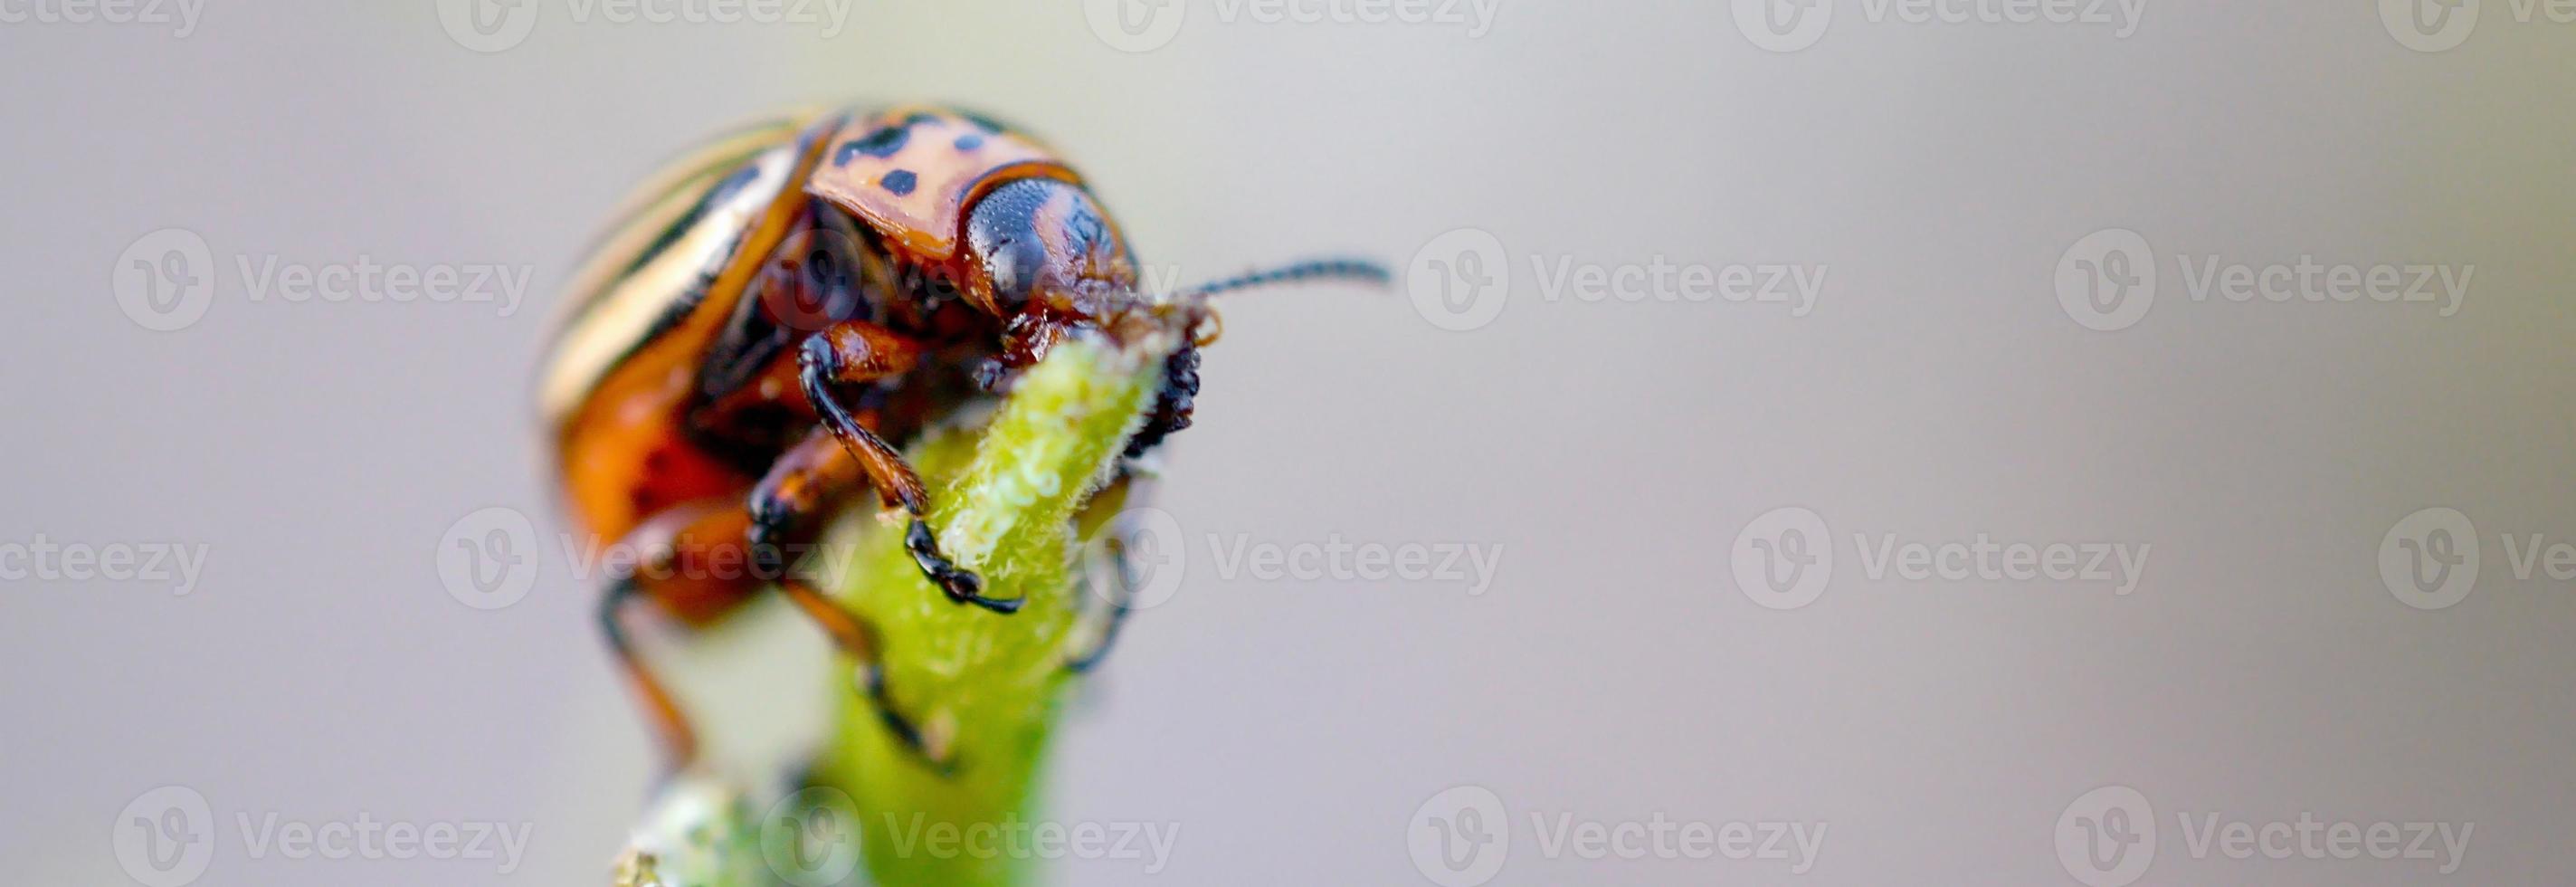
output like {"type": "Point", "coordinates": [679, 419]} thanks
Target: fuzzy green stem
{"type": "Point", "coordinates": [983, 684]}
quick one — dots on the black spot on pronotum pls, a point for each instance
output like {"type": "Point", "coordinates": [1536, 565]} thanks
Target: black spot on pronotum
{"type": "Point", "coordinates": [899, 182]}
{"type": "Point", "coordinates": [884, 142]}
{"type": "Point", "coordinates": [970, 141]}
{"type": "Point", "coordinates": [984, 123]}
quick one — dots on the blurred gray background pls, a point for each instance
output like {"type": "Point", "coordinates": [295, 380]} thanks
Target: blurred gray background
{"type": "Point", "coordinates": [1620, 455]}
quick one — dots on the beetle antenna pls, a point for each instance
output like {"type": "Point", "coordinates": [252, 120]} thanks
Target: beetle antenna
{"type": "Point", "coordinates": [1361, 270]}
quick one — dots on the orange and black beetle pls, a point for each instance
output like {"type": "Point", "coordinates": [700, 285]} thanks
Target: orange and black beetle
{"type": "Point", "coordinates": [746, 348]}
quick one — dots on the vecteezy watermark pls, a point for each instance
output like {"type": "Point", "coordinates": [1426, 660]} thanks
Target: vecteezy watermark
{"type": "Point", "coordinates": [1148, 553]}
{"type": "Point", "coordinates": [814, 837]}
{"type": "Point", "coordinates": [166, 280]}
{"type": "Point", "coordinates": [166, 838]}
{"type": "Point", "coordinates": [2430, 558]}
{"type": "Point", "coordinates": [180, 16]}
{"type": "Point", "coordinates": [1148, 25]}
{"type": "Point", "coordinates": [1462, 837]}
{"type": "Point", "coordinates": [488, 559]}
{"type": "Point", "coordinates": [41, 559]}
{"type": "Point", "coordinates": [2107, 281]}
{"type": "Point", "coordinates": [2443, 25]}
{"type": "Point", "coordinates": [491, 559]}
{"type": "Point", "coordinates": [2108, 838]}
{"type": "Point", "coordinates": [1784, 558]}
{"type": "Point", "coordinates": [1462, 279]}
{"type": "Point", "coordinates": [1792, 25]}
{"type": "Point", "coordinates": [497, 25]}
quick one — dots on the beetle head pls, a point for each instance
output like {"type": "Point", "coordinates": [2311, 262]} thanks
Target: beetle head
{"type": "Point", "coordinates": [1045, 246]}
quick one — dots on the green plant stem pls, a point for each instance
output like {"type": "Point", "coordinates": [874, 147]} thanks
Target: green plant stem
{"type": "Point", "coordinates": [984, 684]}
{"type": "Point", "coordinates": [1005, 499]}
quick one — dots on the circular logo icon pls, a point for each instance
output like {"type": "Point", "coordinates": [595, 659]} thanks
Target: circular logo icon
{"type": "Point", "coordinates": [2429, 25]}
{"type": "Point", "coordinates": [2107, 280]}
{"type": "Point", "coordinates": [1460, 837]}
{"type": "Point", "coordinates": [2429, 559]}
{"type": "Point", "coordinates": [166, 837]}
{"type": "Point", "coordinates": [1135, 25]}
{"type": "Point", "coordinates": [1137, 560]}
{"type": "Point", "coordinates": [811, 838]}
{"type": "Point", "coordinates": [2107, 837]}
{"type": "Point", "coordinates": [1460, 280]}
{"type": "Point", "coordinates": [166, 280]}
{"type": "Point", "coordinates": [488, 26]}
{"type": "Point", "coordinates": [488, 559]}
{"type": "Point", "coordinates": [1784, 25]}
{"type": "Point", "coordinates": [1784, 558]}
{"type": "Point", "coordinates": [825, 289]}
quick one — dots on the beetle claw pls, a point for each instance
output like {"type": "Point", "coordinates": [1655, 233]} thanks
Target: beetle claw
{"type": "Point", "coordinates": [964, 587]}
{"type": "Point", "coordinates": [960, 584]}
{"type": "Point", "coordinates": [932, 747]}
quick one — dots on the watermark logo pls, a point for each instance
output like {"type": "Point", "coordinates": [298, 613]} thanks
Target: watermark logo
{"type": "Point", "coordinates": [488, 26]}
{"type": "Point", "coordinates": [488, 559]}
{"type": "Point", "coordinates": [2107, 281]}
{"type": "Point", "coordinates": [166, 837]}
{"type": "Point", "coordinates": [2107, 838]}
{"type": "Point", "coordinates": [1146, 552]}
{"type": "Point", "coordinates": [165, 281]}
{"type": "Point", "coordinates": [812, 838]}
{"type": "Point", "coordinates": [1460, 837]}
{"type": "Point", "coordinates": [492, 558]}
{"type": "Point", "coordinates": [2429, 25]}
{"type": "Point", "coordinates": [1793, 25]}
{"type": "Point", "coordinates": [1148, 25]}
{"type": "Point", "coordinates": [1135, 25]}
{"type": "Point", "coordinates": [491, 26]}
{"type": "Point", "coordinates": [1784, 558]}
{"type": "Point", "coordinates": [1784, 25]}
{"type": "Point", "coordinates": [1137, 560]}
{"type": "Point", "coordinates": [1460, 280]}
{"type": "Point", "coordinates": [2429, 559]}
{"type": "Point", "coordinates": [180, 16]}
{"type": "Point", "coordinates": [174, 564]}
{"type": "Point", "coordinates": [2443, 25]}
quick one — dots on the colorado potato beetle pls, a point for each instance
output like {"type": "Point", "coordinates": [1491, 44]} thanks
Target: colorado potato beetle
{"type": "Point", "coordinates": [773, 316]}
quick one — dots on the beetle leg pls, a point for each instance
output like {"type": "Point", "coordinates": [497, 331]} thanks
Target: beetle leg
{"type": "Point", "coordinates": [679, 742]}
{"type": "Point", "coordinates": [1115, 618]}
{"type": "Point", "coordinates": [786, 509]}
{"type": "Point", "coordinates": [858, 639]}
{"type": "Point", "coordinates": [852, 352]}
{"type": "Point", "coordinates": [1100, 527]}
{"type": "Point", "coordinates": [657, 538]}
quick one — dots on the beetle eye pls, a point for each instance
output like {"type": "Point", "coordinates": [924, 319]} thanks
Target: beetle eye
{"type": "Point", "coordinates": [1014, 266]}
{"type": "Point", "coordinates": [1002, 232]}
